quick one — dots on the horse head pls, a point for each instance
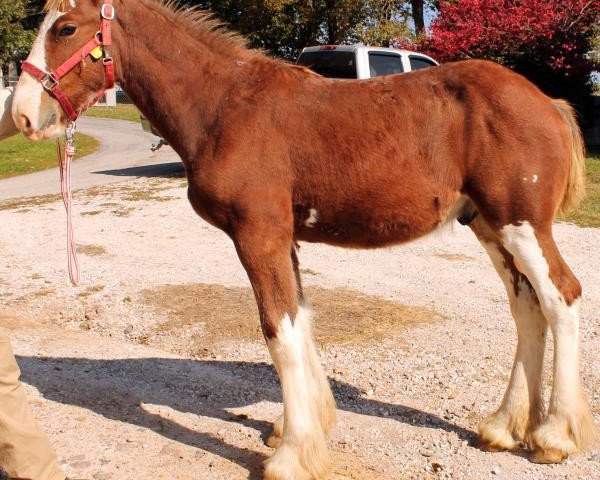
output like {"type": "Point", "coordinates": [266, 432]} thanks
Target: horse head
{"type": "Point", "coordinates": [67, 69]}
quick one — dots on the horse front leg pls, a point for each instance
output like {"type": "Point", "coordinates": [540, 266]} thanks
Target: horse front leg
{"type": "Point", "coordinates": [308, 405]}
{"type": "Point", "coordinates": [274, 439]}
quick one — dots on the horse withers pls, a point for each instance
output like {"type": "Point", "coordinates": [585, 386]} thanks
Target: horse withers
{"type": "Point", "coordinates": [272, 158]}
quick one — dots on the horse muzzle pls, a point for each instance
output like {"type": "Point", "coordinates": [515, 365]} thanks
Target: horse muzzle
{"type": "Point", "coordinates": [35, 112]}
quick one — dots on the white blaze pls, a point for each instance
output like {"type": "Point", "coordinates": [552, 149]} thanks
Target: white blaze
{"type": "Point", "coordinates": [28, 95]}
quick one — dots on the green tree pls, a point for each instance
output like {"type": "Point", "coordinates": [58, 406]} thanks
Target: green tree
{"type": "Point", "coordinates": [15, 38]}
{"type": "Point", "coordinates": [284, 27]}
{"type": "Point", "coordinates": [383, 21]}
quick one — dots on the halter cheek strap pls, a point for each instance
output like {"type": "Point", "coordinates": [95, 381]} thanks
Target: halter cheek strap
{"type": "Point", "coordinates": [102, 39]}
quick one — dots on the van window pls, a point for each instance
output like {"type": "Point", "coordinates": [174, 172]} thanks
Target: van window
{"type": "Point", "coordinates": [330, 63]}
{"type": "Point", "coordinates": [381, 63]}
{"type": "Point", "coordinates": [417, 63]}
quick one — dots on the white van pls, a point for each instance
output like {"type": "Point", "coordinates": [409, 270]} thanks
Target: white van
{"type": "Point", "coordinates": [359, 61]}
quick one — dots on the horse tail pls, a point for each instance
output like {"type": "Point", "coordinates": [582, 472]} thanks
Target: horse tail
{"type": "Point", "coordinates": [576, 183]}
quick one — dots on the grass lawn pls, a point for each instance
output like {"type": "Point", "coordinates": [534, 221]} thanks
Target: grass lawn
{"type": "Point", "coordinates": [19, 156]}
{"type": "Point", "coordinates": [120, 112]}
{"type": "Point", "coordinates": [588, 213]}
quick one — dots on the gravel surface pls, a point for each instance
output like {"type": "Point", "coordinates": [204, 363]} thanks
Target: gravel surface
{"type": "Point", "coordinates": [131, 382]}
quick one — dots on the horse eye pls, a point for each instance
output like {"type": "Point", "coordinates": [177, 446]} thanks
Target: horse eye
{"type": "Point", "coordinates": [67, 31]}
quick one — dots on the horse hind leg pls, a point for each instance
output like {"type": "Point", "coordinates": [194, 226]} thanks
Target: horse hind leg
{"type": "Point", "coordinates": [569, 425]}
{"type": "Point", "coordinates": [521, 410]}
{"type": "Point", "coordinates": [309, 408]}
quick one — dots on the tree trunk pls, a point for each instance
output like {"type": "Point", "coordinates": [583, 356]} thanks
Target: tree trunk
{"type": "Point", "coordinates": [418, 16]}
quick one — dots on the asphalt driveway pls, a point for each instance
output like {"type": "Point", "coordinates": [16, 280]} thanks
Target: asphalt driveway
{"type": "Point", "coordinates": [124, 153]}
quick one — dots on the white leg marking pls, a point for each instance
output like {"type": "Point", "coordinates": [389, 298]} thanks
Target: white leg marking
{"type": "Point", "coordinates": [569, 424]}
{"type": "Point", "coordinates": [303, 451]}
{"type": "Point", "coordinates": [312, 219]}
{"type": "Point", "coordinates": [522, 406]}
{"type": "Point", "coordinates": [28, 94]}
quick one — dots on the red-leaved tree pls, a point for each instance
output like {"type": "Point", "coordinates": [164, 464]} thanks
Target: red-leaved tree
{"type": "Point", "coordinates": [548, 41]}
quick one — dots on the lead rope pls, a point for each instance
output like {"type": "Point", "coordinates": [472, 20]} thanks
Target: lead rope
{"type": "Point", "coordinates": [67, 197]}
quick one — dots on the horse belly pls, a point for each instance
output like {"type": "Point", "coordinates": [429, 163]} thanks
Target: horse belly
{"type": "Point", "coordinates": [371, 227]}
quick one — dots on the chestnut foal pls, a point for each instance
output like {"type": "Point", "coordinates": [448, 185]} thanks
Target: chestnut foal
{"type": "Point", "coordinates": [275, 154]}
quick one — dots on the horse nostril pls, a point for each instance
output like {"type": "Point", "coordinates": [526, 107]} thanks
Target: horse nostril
{"type": "Point", "coordinates": [23, 123]}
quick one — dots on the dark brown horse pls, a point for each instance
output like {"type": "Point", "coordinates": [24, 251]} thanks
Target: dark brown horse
{"type": "Point", "coordinates": [275, 154]}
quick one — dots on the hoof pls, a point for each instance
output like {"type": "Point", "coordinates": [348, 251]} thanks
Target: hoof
{"type": "Point", "coordinates": [488, 446]}
{"type": "Point", "coordinates": [550, 455]}
{"type": "Point", "coordinates": [494, 435]}
{"type": "Point", "coordinates": [273, 441]}
{"type": "Point", "coordinates": [278, 467]}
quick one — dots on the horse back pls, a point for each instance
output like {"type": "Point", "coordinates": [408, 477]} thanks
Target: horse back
{"type": "Point", "coordinates": [375, 162]}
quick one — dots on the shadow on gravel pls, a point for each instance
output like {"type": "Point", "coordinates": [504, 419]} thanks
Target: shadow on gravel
{"type": "Point", "coordinates": [171, 169]}
{"type": "Point", "coordinates": [116, 389]}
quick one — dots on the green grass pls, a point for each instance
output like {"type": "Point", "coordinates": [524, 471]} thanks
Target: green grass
{"type": "Point", "coordinates": [120, 112]}
{"type": "Point", "coordinates": [588, 213]}
{"type": "Point", "coordinates": [19, 156]}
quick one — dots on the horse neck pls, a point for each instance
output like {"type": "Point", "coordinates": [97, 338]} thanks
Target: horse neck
{"type": "Point", "coordinates": [177, 77]}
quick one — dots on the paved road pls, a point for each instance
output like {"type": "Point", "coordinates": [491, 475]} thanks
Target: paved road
{"type": "Point", "coordinates": [124, 153]}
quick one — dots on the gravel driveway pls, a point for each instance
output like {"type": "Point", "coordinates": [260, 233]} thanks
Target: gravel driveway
{"type": "Point", "coordinates": [133, 376]}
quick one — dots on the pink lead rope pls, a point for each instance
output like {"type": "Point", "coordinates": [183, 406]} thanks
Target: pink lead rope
{"type": "Point", "coordinates": [51, 82]}
{"type": "Point", "coordinates": [65, 189]}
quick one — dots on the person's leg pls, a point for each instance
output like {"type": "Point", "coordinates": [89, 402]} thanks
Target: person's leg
{"type": "Point", "coordinates": [7, 126]}
{"type": "Point", "coordinates": [25, 451]}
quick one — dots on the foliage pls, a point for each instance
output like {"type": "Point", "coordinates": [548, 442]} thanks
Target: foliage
{"type": "Point", "coordinates": [284, 27]}
{"type": "Point", "coordinates": [545, 40]}
{"type": "Point", "coordinates": [383, 21]}
{"type": "Point", "coordinates": [15, 39]}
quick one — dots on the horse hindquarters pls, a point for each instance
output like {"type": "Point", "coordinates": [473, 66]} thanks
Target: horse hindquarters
{"type": "Point", "coordinates": [263, 243]}
{"type": "Point", "coordinates": [519, 179]}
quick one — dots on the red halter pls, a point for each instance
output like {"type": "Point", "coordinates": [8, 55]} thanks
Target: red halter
{"type": "Point", "coordinates": [102, 39]}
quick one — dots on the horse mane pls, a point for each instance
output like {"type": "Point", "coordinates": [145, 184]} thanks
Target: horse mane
{"type": "Point", "coordinates": [60, 5]}
{"type": "Point", "coordinates": [197, 22]}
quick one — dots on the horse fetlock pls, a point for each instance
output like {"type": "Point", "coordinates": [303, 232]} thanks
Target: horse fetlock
{"type": "Point", "coordinates": [495, 434]}
{"type": "Point", "coordinates": [299, 460]}
{"type": "Point", "coordinates": [564, 433]}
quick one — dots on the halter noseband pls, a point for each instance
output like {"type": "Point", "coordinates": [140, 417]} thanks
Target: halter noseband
{"type": "Point", "coordinates": [102, 40]}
